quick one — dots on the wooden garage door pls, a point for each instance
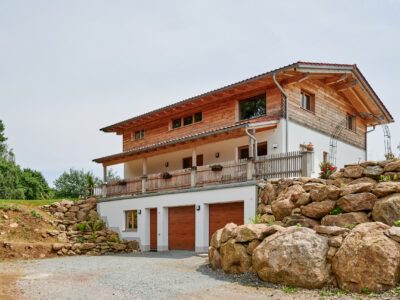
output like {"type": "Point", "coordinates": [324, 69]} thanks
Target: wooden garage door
{"type": "Point", "coordinates": [181, 228]}
{"type": "Point", "coordinates": [224, 213]}
{"type": "Point", "coordinates": [153, 229]}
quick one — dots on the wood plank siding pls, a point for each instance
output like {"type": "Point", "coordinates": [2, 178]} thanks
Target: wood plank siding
{"type": "Point", "coordinates": [215, 115]}
{"type": "Point", "coordinates": [330, 109]}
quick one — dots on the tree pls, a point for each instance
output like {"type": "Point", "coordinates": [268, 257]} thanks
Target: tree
{"type": "Point", "coordinates": [4, 151]}
{"type": "Point", "coordinates": [16, 183]}
{"type": "Point", "coordinates": [75, 184]}
{"type": "Point", "coordinates": [35, 185]}
{"type": "Point", "coordinates": [112, 175]}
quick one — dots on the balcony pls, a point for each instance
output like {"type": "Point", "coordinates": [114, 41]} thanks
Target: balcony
{"type": "Point", "coordinates": [282, 165]}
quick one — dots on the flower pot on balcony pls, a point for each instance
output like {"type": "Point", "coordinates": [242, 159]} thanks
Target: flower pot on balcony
{"type": "Point", "coordinates": [310, 147]}
{"type": "Point", "coordinates": [216, 168]}
{"type": "Point", "coordinates": [122, 182]}
{"type": "Point", "coordinates": [166, 175]}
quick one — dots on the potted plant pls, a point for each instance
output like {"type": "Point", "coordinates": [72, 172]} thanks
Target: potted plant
{"type": "Point", "coordinates": [327, 169]}
{"type": "Point", "coordinates": [166, 175]}
{"type": "Point", "coordinates": [310, 147]}
{"type": "Point", "coordinates": [216, 168]}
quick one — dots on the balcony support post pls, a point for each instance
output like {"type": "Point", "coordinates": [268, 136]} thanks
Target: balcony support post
{"type": "Point", "coordinates": [144, 184]}
{"type": "Point", "coordinates": [144, 167]}
{"type": "Point", "coordinates": [194, 157]}
{"type": "Point", "coordinates": [104, 174]}
{"type": "Point", "coordinates": [307, 163]}
{"type": "Point", "coordinates": [250, 168]}
{"type": "Point", "coordinates": [193, 177]}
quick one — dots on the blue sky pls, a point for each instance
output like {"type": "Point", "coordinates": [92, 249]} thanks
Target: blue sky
{"type": "Point", "coordinates": [68, 68]}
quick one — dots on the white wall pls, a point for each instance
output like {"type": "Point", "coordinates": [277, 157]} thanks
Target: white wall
{"type": "Point", "coordinates": [227, 152]}
{"type": "Point", "coordinates": [113, 212]}
{"type": "Point", "coordinates": [346, 153]}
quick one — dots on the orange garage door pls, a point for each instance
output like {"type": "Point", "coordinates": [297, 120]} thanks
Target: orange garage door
{"type": "Point", "coordinates": [224, 213]}
{"type": "Point", "coordinates": [181, 228]}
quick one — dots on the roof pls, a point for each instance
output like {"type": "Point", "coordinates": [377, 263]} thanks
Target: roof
{"type": "Point", "coordinates": [297, 65]}
{"type": "Point", "coordinates": [190, 137]}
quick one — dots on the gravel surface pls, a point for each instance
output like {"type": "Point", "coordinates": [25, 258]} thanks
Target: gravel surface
{"type": "Point", "coordinates": [169, 275]}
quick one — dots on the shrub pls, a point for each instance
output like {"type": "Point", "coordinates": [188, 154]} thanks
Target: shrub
{"type": "Point", "coordinates": [256, 219]}
{"type": "Point", "coordinates": [396, 223]}
{"type": "Point", "coordinates": [336, 211]}
{"type": "Point", "coordinates": [81, 226]}
{"type": "Point", "coordinates": [35, 214]}
{"type": "Point", "coordinates": [327, 169]}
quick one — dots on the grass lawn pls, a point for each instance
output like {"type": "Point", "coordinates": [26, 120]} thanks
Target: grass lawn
{"type": "Point", "coordinates": [29, 203]}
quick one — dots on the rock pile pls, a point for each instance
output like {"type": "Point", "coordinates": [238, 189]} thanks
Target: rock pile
{"type": "Point", "coordinates": [316, 232]}
{"type": "Point", "coordinates": [81, 231]}
{"type": "Point", "coordinates": [354, 195]}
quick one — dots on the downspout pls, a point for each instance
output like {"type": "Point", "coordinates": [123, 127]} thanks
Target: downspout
{"type": "Point", "coordinates": [366, 141]}
{"type": "Point", "coordinates": [285, 96]}
{"type": "Point", "coordinates": [251, 136]}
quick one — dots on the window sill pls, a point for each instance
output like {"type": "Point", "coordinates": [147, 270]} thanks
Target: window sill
{"type": "Point", "coordinates": [129, 230]}
{"type": "Point", "coordinates": [250, 119]}
{"type": "Point", "coordinates": [307, 110]}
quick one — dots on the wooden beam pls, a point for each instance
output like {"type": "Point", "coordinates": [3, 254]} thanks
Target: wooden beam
{"type": "Point", "coordinates": [335, 79]}
{"type": "Point", "coordinates": [297, 78]}
{"type": "Point", "coordinates": [346, 85]}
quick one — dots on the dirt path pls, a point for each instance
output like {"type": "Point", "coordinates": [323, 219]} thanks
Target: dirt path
{"type": "Point", "coordinates": [8, 289]}
{"type": "Point", "coordinates": [170, 275]}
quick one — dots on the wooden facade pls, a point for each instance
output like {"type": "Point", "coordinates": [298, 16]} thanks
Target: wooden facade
{"type": "Point", "coordinates": [337, 90]}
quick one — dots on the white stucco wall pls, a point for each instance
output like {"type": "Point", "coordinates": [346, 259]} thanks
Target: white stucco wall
{"type": "Point", "coordinates": [346, 153]}
{"type": "Point", "coordinates": [113, 212]}
{"type": "Point", "coordinates": [227, 152]}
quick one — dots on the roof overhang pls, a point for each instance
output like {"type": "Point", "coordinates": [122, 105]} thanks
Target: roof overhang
{"type": "Point", "coordinates": [346, 79]}
{"type": "Point", "coordinates": [216, 133]}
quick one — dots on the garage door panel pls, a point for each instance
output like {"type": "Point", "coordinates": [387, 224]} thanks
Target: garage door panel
{"type": "Point", "coordinates": [223, 213]}
{"type": "Point", "coordinates": [181, 228]}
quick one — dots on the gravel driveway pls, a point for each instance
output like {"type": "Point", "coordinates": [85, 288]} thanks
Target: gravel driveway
{"type": "Point", "coordinates": [169, 275]}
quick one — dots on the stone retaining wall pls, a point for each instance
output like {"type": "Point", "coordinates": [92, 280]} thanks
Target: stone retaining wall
{"type": "Point", "coordinates": [82, 231]}
{"type": "Point", "coordinates": [315, 232]}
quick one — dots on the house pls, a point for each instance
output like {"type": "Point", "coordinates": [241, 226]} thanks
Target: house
{"type": "Point", "coordinates": [191, 167]}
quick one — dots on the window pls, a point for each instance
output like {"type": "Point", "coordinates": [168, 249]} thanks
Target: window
{"type": "Point", "coordinates": [351, 122]}
{"type": "Point", "coordinates": [187, 161]}
{"type": "Point", "coordinates": [131, 220]}
{"type": "Point", "coordinates": [176, 123]}
{"type": "Point", "coordinates": [187, 120]}
{"type": "Point", "coordinates": [262, 149]}
{"type": "Point", "coordinates": [138, 135]}
{"type": "Point", "coordinates": [253, 107]}
{"type": "Point", "coordinates": [198, 117]}
{"type": "Point", "coordinates": [308, 101]}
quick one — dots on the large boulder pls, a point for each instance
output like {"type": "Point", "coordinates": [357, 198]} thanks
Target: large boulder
{"type": "Point", "coordinates": [294, 257]}
{"type": "Point", "coordinates": [330, 230]}
{"type": "Point", "coordinates": [357, 202]}
{"type": "Point", "coordinates": [325, 192]}
{"type": "Point", "coordinates": [216, 239]}
{"type": "Point", "coordinates": [387, 209]}
{"type": "Point", "coordinates": [363, 180]}
{"type": "Point", "coordinates": [367, 259]}
{"type": "Point", "coordinates": [318, 210]}
{"type": "Point", "coordinates": [214, 257]}
{"type": "Point", "coordinates": [282, 208]}
{"type": "Point", "coordinates": [249, 232]}
{"type": "Point", "coordinates": [383, 189]}
{"type": "Point", "coordinates": [361, 187]}
{"type": "Point", "coordinates": [353, 171]}
{"type": "Point", "coordinates": [347, 220]}
{"type": "Point", "coordinates": [228, 232]}
{"type": "Point", "coordinates": [394, 233]}
{"type": "Point", "coordinates": [268, 194]}
{"type": "Point", "coordinates": [234, 258]}
{"type": "Point", "coordinates": [373, 171]}
{"type": "Point", "coordinates": [393, 166]}
{"type": "Point", "coordinates": [299, 220]}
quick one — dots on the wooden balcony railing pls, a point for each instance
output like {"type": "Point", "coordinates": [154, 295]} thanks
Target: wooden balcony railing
{"type": "Point", "coordinates": [283, 165]}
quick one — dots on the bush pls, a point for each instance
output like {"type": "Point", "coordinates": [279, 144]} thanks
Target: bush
{"type": "Point", "coordinates": [336, 211]}
{"type": "Point", "coordinates": [81, 226]}
{"type": "Point", "coordinates": [327, 169]}
{"type": "Point", "coordinates": [76, 184]}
